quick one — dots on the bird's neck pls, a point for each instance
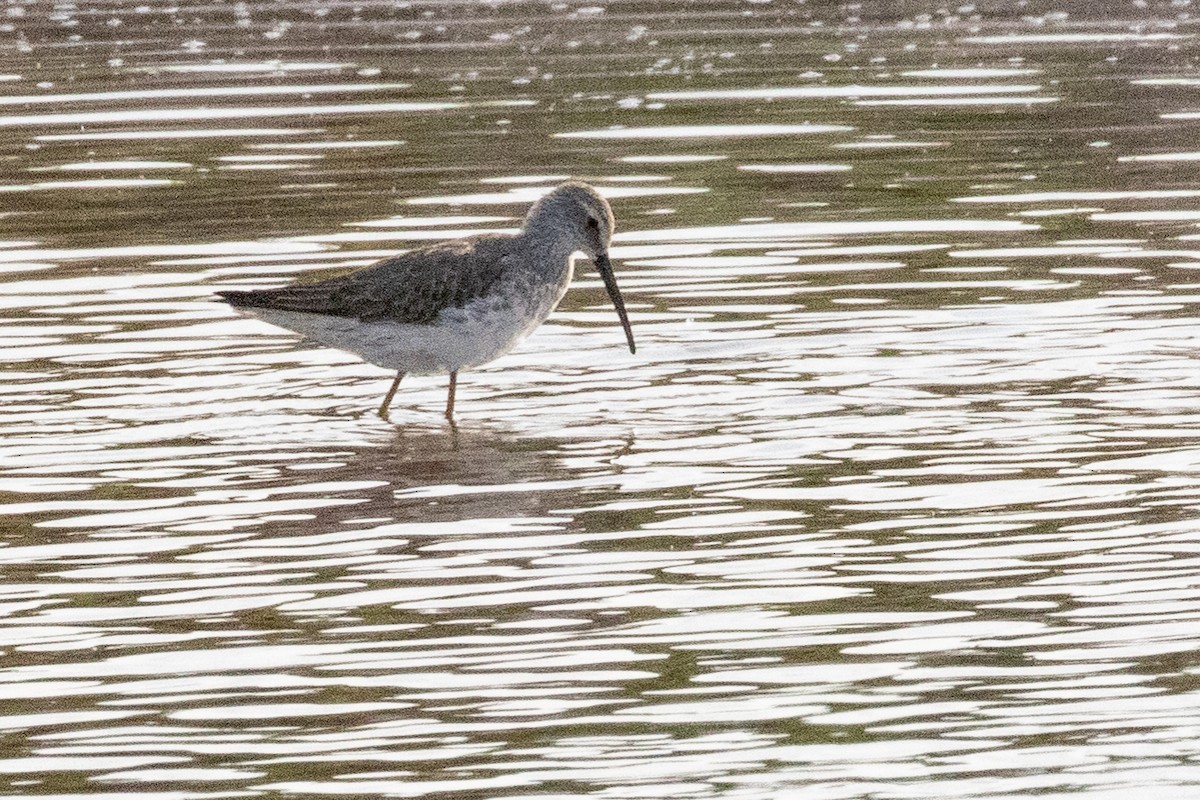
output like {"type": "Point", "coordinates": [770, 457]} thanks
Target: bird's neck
{"type": "Point", "coordinates": [554, 255]}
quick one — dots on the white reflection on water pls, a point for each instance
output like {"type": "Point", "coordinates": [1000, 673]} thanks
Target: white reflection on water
{"type": "Point", "coordinates": [236, 67]}
{"type": "Point", "coordinates": [775, 231]}
{"type": "Point", "coordinates": [160, 115]}
{"type": "Point", "coordinates": [350, 144]}
{"type": "Point", "coordinates": [146, 251]}
{"type": "Point", "coordinates": [886, 143]}
{"type": "Point", "coordinates": [193, 92]}
{"type": "Point", "coordinates": [1080, 196]}
{"type": "Point", "coordinates": [670, 158]}
{"type": "Point", "coordinates": [100, 166]}
{"type": "Point", "coordinates": [704, 131]}
{"type": "Point", "coordinates": [1184, 156]}
{"type": "Point", "coordinates": [787, 169]}
{"type": "Point", "coordinates": [852, 92]}
{"type": "Point", "coordinates": [1003, 100]}
{"type": "Point", "coordinates": [1076, 37]}
{"type": "Point", "coordinates": [1177, 215]}
{"type": "Point", "coordinates": [970, 73]}
{"type": "Point", "coordinates": [90, 183]}
{"type": "Point", "coordinates": [526, 195]}
{"type": "Point", "coordinates": [151, 135]}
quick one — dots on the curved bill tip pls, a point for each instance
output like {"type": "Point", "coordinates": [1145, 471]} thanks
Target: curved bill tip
{"type": "Point", "coordinates": [604, 267]}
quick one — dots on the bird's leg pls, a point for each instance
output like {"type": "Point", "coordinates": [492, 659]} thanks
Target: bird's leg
{"type": "Point", "coordinates": [450, 397]}
{"type": "Point", "coordinates": [387, 400]}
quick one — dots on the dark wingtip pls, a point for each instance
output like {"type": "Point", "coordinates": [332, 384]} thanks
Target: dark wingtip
{"type": "Point", "coordinates": [235, 298]}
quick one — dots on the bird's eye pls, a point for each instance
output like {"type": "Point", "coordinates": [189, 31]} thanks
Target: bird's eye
{"type": "Point", "coordinates": [593, 223]}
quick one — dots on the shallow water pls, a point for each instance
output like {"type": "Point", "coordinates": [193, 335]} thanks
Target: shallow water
{"type": "Point", "coordinates": [897, 498]}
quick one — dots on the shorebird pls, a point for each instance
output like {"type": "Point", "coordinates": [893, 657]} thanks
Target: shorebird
{"type": "Point", "coordinates": [450, 306]}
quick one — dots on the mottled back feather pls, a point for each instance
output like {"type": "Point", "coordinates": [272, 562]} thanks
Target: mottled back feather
{"type": "Point", "coordinates": [411, 288]}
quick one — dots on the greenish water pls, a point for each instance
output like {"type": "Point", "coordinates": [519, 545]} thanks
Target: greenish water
{"type": "Point", "coordinates": [897, 499]}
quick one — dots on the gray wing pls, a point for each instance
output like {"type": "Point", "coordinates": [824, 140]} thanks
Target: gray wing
{"type": "Point", "coordinates": [412, 288]}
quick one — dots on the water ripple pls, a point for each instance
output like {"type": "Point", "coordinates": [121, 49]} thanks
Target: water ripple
{"type": "Point", "coordinates": [896, 499]}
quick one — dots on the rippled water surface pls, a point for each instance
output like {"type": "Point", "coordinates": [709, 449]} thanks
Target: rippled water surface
{"type": "Point", "coordinates": [897, 499]}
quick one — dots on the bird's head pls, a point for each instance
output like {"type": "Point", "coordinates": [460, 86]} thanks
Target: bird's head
{"type": "Point", "coordinates": [577, 213]}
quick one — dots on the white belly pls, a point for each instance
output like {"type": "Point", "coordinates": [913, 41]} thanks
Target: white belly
{"type": "Point", "coordinates": [460, 338]}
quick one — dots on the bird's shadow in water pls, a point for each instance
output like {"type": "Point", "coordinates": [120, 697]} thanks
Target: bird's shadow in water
{"type": "Point", "coordinates": [433, 472]}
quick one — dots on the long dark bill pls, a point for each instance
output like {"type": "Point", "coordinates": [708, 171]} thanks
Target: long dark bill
{"type": "Point", "coordinates": [610, 283]}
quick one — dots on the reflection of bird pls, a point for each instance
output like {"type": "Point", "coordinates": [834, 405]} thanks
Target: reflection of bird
{"type": "Point", "coordinates": [452, 305]}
